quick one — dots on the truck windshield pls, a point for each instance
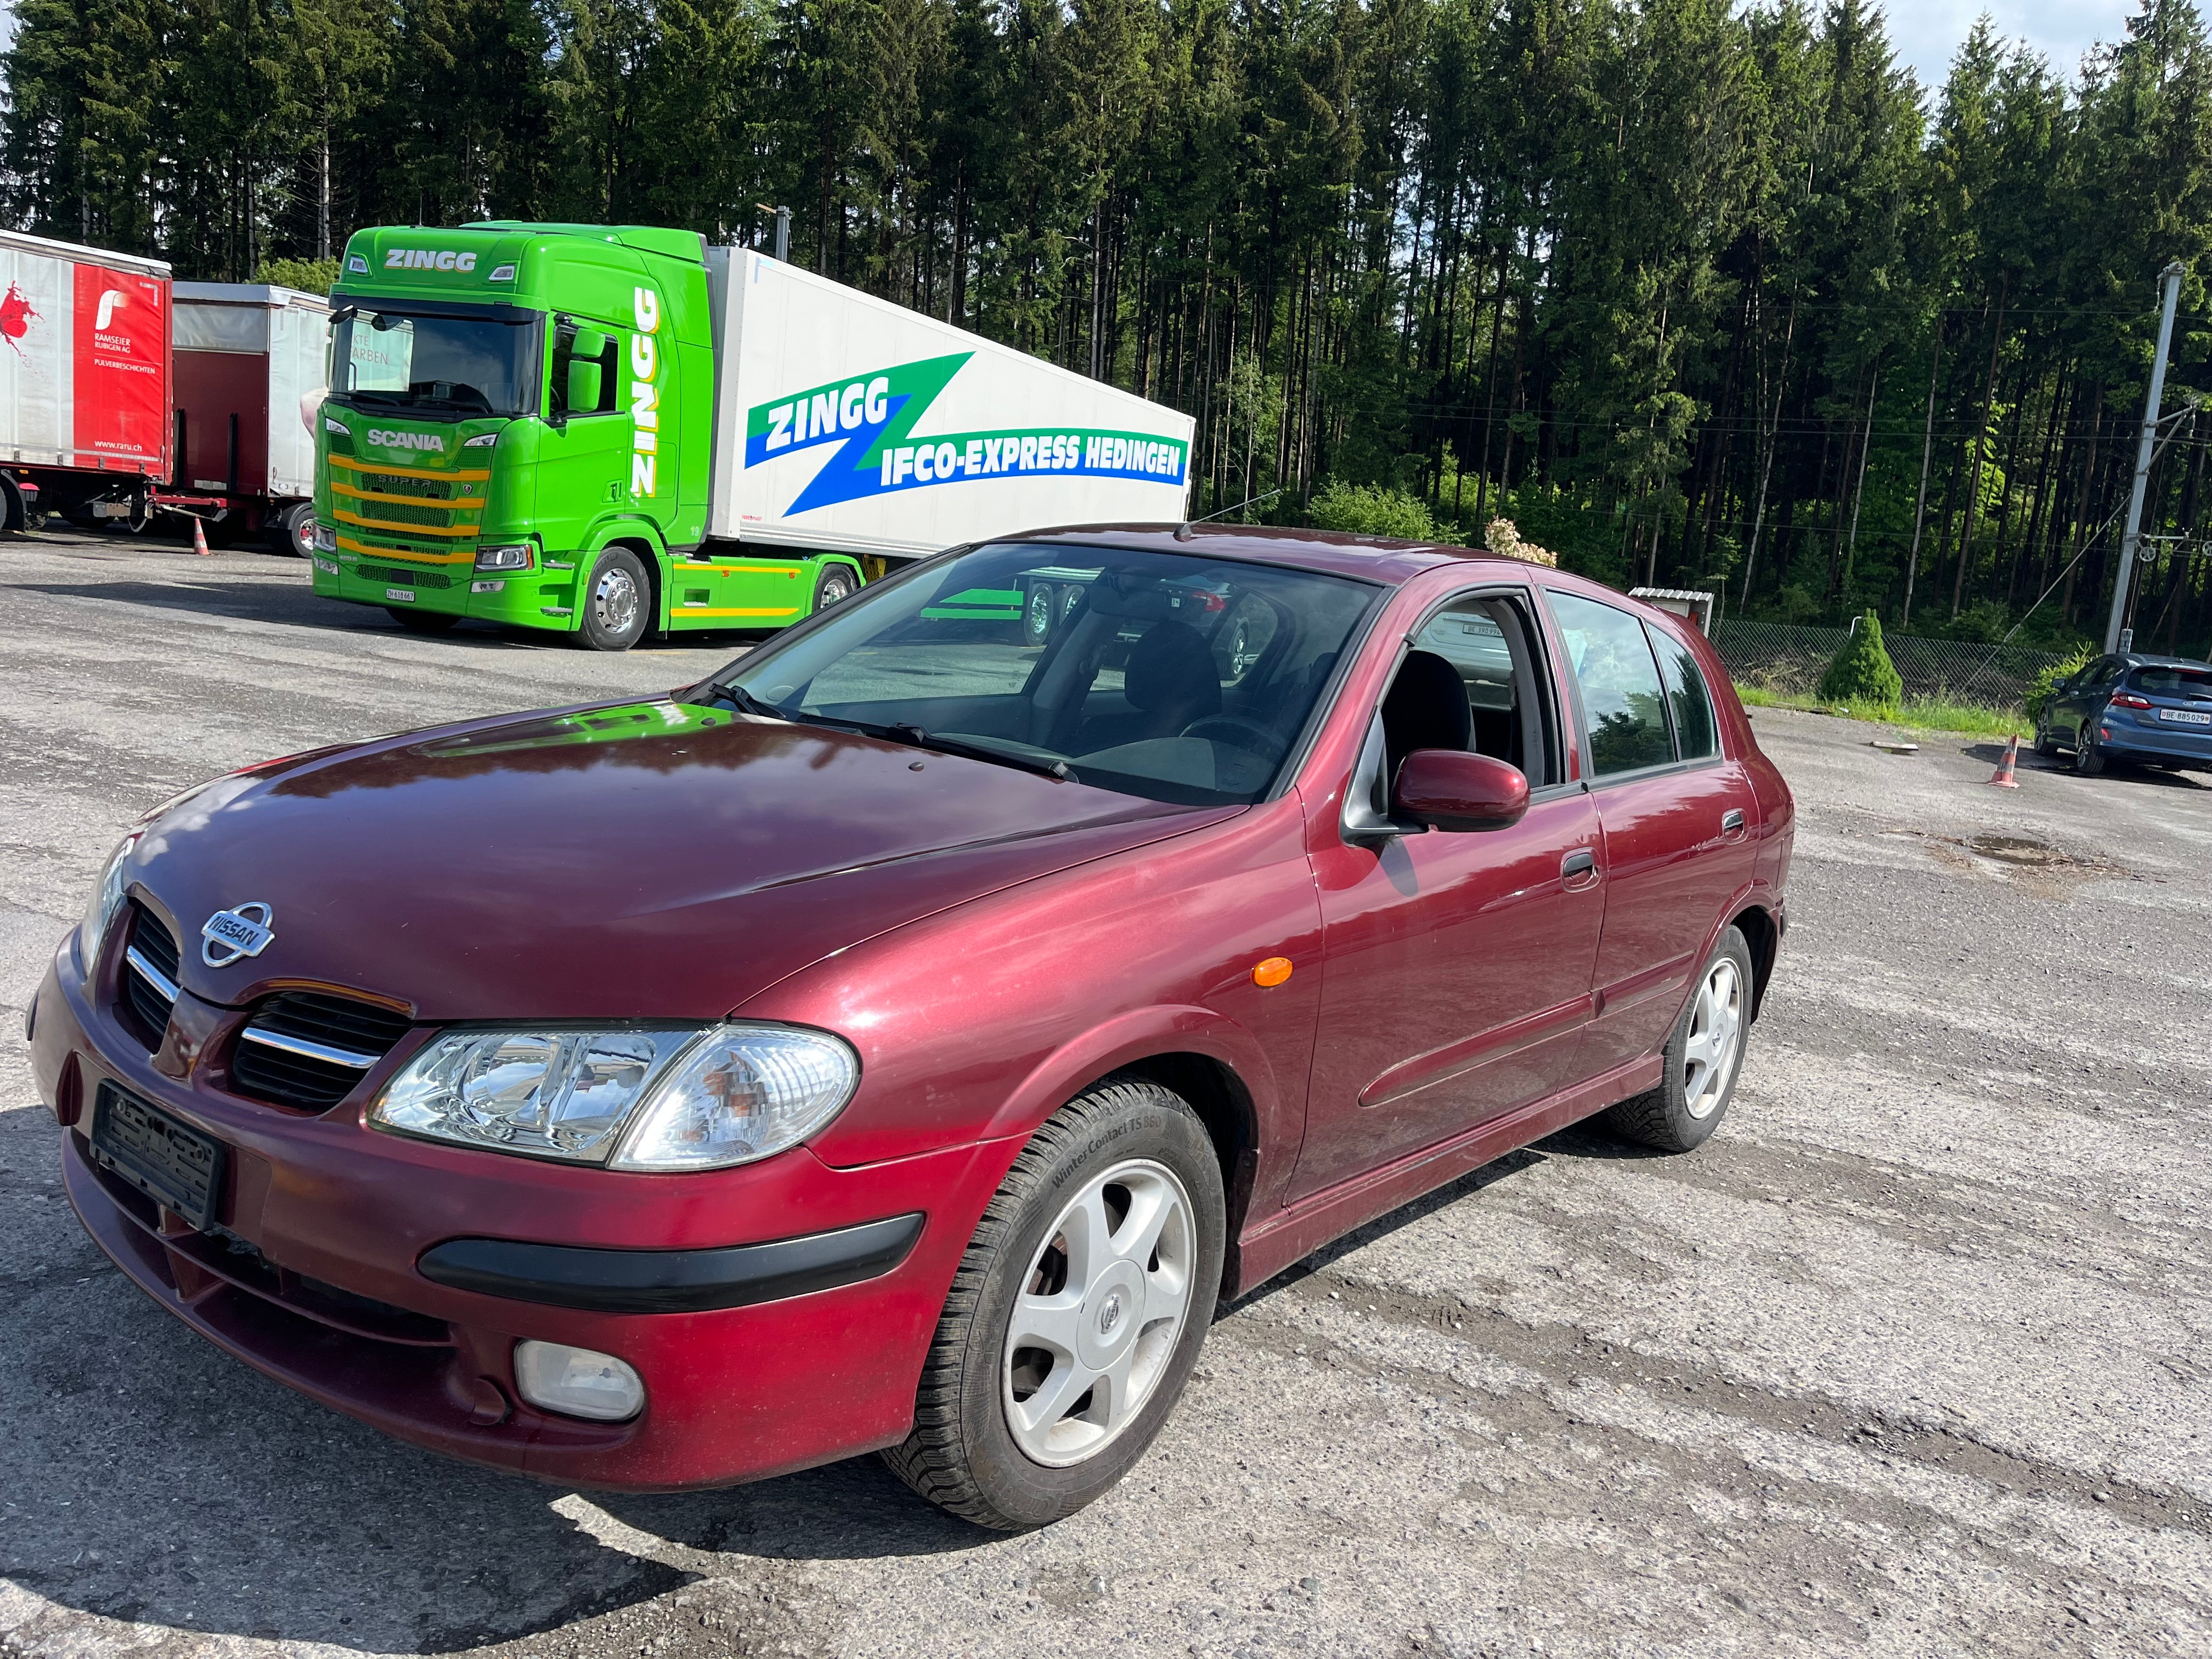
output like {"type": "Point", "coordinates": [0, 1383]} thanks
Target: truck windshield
{"type": "Point", "coordinates": [436, 364]}
{"type": "Point", "coordinates": [1176, 677]}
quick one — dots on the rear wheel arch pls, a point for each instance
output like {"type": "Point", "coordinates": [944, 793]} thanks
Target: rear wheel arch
{"type": "Point", "coordinates": [1757, 925]}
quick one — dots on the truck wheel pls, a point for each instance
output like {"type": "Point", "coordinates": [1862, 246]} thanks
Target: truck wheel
{"type": "Point", "coordinates": [1075, 1316]}
{"type": "Point", "coordinates": [13, 517]}
{"type": "Point", "coordinates": [422, 622]}
{"type": "Point", "coordinates": [1036, 615]}
{"type": "Point", "coordinates": [836, 585]}
{"type": "Point", "coordinates": [614, 602]}
{"type": "Point", "coordinates": [293, 531]}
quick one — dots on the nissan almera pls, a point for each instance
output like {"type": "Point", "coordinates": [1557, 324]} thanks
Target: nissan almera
{"type": "Point", "coordinates": [905, 1039]}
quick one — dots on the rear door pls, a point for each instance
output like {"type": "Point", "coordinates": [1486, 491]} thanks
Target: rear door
{"type": "Point", "coordinates": [1679, 816]}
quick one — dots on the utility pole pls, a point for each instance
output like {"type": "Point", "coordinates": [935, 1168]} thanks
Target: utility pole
{"type": "Point", "coordinates": [782, 230]}
{"type": "Point", "coordinates": [2145, 447]}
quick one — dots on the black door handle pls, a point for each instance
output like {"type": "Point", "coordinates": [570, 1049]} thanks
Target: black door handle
{"type": "Point", "coordinates": [1732, 821]}
{"type": "Point", "coordinates": [1580, 862]}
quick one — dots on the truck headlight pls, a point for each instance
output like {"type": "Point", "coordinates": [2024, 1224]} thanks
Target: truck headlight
{"type": "Point", "coordinates": [107, 902]}
{"type": "Point", "coordinates": [326, 537]}
{"type": "Point", "coordinates": [514, 557]}
{"type": "Point", "coordinates": [635, 1099]}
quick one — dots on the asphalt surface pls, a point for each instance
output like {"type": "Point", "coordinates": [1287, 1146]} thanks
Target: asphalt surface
{"type": "Point", "coordinates": [1915, 1358]}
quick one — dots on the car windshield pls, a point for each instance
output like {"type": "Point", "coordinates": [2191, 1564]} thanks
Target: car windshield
{"type": "Point", "coordinates": [2170, 680]}
{"type": "Point", "coordinates": [1176, 677]}
{"type": "Point", "coordinates": [439, 365]}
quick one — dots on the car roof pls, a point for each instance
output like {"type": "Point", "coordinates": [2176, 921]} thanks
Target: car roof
{"type": "Point", "coordinates": [2141, 661]}
{"type": "Point", "coordinates": [1374, 558]}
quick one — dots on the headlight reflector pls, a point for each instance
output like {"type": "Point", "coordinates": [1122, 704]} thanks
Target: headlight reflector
{"type": "Point", "coordinates": [691, 1099]}
{"type": "Point", "coordinates": [326, 537]}
{"type": "Point", "coordinates": [554, 1093]}
{"type": "Point", "coordinates": [514, 557]}
{"type": "Point", "coordinates": [745, 1092]}
{"type": "Point", "coordinates": [107, 900]}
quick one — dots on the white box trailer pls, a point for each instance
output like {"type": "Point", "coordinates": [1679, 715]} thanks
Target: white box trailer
{"type": "Point", "coordinates": [252, 366]}
{"type": "Point", "coordinates": [845, 423]}
{"type": "Point", "coordinates": [84, 379]}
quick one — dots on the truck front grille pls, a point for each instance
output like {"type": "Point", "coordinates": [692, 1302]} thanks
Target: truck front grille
{"type": "Point", "coordinates": [307, 1050]}
{"type": "Point", "coordinates": [393, 512]}
{"type": "Point", "coordinates": [393, 574]}
{"type": "Point", "coordinates": [391, 484]}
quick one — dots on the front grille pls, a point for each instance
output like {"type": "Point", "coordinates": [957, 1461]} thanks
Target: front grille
{"type": "Point", "coordinates": [150, 1004]}
{"type": "Point", "coordinates": [296, 1075]}
{"type": "Point", "coordinates": [393, 574]}
{"type": "Point", "coordinates": [395, 512]}
{"type": "Point", "coordinates": [391, 484]}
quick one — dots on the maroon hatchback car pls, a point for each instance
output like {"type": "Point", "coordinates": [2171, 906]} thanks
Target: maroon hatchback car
{"type": "Point", "coordinates": [902, 1041]}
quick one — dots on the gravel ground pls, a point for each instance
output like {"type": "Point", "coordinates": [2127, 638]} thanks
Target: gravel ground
{"type": "Point", "coordinates": [1914, 1357]}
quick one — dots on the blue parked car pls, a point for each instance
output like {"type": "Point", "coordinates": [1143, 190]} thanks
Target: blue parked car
{"type": "Point", "coordinates": [2157, 711]}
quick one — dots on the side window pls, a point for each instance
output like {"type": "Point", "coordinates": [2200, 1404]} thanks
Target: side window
{"type": "Point", "coordinates": [582, 381]}
{"type": "Point", "coordinates": [1626, 722]}
{"type": "Point", "coordinates": [1688, 699]}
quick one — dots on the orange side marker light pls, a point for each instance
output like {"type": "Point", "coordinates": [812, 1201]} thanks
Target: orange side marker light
{"type": "Point", "coordinates": [1274, 971]}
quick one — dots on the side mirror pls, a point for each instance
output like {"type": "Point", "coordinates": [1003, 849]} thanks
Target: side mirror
{"type": "Point", "coordinates": [1451, 789]}
{"type": "Point", "coordinates": [583, 386]}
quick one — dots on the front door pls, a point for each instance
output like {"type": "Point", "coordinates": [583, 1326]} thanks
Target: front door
{"type": "Point", "coordinates": [584, 453]}
{"type": "Point", "coordinates": [1678, 815]}
{"type": "Point", "coordinates": [1457, 966]}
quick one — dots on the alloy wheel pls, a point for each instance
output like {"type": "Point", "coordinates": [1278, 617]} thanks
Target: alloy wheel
{"type": "Point", "coordinates": [1715, 1038]}
{"type": "Point", "coordinates": [1101, 1306]}
{"type": "Point", "coordinates": [614, 600]}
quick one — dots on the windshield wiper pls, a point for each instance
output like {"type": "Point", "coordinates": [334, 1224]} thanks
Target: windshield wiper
{"type": "Point", "coordinates": [922, 739]}
{"type": "Point", "coordinates": [749, 704]}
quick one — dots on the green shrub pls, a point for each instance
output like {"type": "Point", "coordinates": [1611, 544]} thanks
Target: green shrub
{"type": "Point", "coordinates": [308, 275]}
{"type": "Point", "coordinates": [2047, 680]}
{"type": "Point", "coordinates": [1862, 671]}
{"type": "Point", "coordinates": [1373, 510]}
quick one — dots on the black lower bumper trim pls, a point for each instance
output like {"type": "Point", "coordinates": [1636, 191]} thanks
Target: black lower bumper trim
{"type": "Point", "coordinates": [671, 1281]}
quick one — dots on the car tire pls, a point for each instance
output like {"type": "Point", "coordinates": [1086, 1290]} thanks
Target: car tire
{"type": "Point", "coordinates": [2045, 745]}
{"type": "Point", "coordinates": [614, 602]}
{"type": "Point", "coordinates": [1129, 1157]}
{"type": "Point", "coordinates": [2089, 758]}
{"type": "Point", "coordinates": [1700, 1076]}
{"type": "Point", "coordinates": [422, 622]}
{"type": "Point", "coordinates": [836, 585]}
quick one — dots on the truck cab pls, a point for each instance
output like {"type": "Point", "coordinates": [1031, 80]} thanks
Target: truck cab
{"type": "Point", "coordinates": [519, 429]}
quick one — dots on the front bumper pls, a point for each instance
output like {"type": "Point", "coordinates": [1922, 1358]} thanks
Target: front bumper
{"type": "Point", "coordinates": [391, 1278]}
{"type": "Point", "coordinates": [542, 597]}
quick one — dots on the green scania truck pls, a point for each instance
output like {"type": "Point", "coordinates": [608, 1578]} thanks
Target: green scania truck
{"type": "Point", "coordinates": [618, 431]}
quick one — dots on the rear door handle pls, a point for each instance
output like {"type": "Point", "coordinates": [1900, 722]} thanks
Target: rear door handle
{"type": "Point", "coordinates": [1732, 821]}
{"type": "Point", "coordinates": [1579, 863]}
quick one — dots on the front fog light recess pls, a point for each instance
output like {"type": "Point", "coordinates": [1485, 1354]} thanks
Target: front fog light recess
{"type": "Point", "coordinates": [577, 1382]}
{"type": "Point", "coordinates": [513, 558]}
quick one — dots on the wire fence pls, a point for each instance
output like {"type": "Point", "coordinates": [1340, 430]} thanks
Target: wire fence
{"type": "Point", "coordinates": [1790, 661]}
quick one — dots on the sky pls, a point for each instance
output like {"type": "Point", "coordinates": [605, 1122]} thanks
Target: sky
{"type": "Point", "coordinates": [1926, 33]}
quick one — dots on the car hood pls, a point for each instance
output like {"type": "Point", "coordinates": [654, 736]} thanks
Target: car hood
{"type": "Point", "coordinates": [644, 861]}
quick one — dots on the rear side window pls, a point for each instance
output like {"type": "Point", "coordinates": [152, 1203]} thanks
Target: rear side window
{"type": "Point", "coordinates": [1623, 709]}
{"type": "Point", "coordinates": [1688, 700]}
{"type": "Point", "coordinates": [2195, 683]}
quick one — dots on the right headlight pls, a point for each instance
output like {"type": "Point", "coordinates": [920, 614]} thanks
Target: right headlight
{"type": "Point", "coordinates": [633, 1099]}
{"type": "Point", "coordinates": [107, 898]}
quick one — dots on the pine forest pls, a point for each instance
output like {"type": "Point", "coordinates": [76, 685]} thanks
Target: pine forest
{"type": "Point", "coordinates": [1697, 294]}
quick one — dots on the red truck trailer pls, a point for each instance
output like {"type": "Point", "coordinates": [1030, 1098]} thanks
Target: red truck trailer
{"type": "Point", "coordinates": [252, 367]}
{"type": "Point", "coordinates": [85, 390]}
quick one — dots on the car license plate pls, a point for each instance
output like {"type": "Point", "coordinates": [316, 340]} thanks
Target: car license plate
{"type": "Point", "coordinates": [179, 1168]}
{"type": "Point", "coordinates": [2185, 716]}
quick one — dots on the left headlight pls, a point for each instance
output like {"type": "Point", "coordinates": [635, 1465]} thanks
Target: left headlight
{"type": "Point", "coordinates": [107, 900]}
{"type": "Point", "coordinates": [636, 1099]}
{"type": "Point", "coordinates": [514, 557]}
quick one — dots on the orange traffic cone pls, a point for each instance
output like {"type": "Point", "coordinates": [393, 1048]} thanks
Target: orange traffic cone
{"type": "Point", "coordinates": [2003, 778]}
{"type": "Point", "coordinates": [199, 538]}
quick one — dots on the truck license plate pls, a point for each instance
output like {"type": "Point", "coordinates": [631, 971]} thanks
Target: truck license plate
{"type": "Point", "coordinates": [405, 595]}
{"type": "Point", "coordinates": [2185, 716]}
{"type": "Point", "coordinates": [178, 1168]}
